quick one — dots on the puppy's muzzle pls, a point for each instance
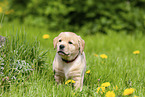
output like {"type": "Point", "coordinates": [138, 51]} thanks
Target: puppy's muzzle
{"type": "Point", "coordinates": [61, 52]}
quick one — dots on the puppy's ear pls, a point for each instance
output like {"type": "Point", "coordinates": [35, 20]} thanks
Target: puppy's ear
{"type": "Point", "coordinates": [55, 40]}
{"type": "Point", "coordinates": [81, 44]}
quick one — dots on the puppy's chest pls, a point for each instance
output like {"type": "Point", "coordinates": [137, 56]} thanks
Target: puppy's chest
{"type": "Point", "coordinates": [71, 68]}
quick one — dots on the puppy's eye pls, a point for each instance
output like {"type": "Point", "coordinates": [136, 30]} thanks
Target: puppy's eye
{"type": "Point", "coordinates": [70, 42]}
{"type": "Point", "coordinates": [59, 40]}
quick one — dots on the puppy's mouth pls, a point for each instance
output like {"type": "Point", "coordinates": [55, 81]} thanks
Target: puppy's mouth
{"type": "Point", "coordinates": [62, 53]}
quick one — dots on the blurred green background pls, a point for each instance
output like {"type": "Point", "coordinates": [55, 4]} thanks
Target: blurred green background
{"type": "Point", "coordinates": [85, 16]}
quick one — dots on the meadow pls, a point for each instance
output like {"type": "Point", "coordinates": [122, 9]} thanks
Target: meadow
{"type": "Point", "coordinates": [118, 66]}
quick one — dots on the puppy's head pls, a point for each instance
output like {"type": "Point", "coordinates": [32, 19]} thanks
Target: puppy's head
{"type": "Point", "coordinates": [69, 45]}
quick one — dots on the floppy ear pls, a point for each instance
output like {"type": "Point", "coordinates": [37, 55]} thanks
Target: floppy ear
{"type": "Point", "coordinates": [55, 40]}
{"type": "Point", "coordinates": [81, 44]}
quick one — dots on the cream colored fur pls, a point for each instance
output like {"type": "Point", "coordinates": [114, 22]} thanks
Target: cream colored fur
{"type": "Point", "coordinates": [73, 51]}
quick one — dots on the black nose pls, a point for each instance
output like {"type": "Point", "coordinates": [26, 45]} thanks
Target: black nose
{"type": "Point", "coordinates": [61, 46]}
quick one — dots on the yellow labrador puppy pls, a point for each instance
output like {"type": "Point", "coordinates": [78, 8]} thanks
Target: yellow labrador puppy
{"type": "Point", "coordinates": [69, 62]}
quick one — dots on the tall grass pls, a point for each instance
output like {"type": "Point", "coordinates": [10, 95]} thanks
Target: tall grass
{"type": "Point", "coordinates": [18, 58]}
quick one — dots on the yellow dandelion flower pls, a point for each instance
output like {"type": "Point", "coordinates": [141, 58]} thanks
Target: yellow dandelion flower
{"type": "Point", "coordinates": [1, 10]}
{"type": "Point", "coordinates": [69, 81]}
{"type": "Point", "coordinates": [106, 84]}
{"type": "Point", "coordinates": [103, 56]}
{"type": "Point", "coordinates": [128, 91]}
{"type": "Point", "coordinates": [46, 36]}
{"type": "Point", "coordinates": [100, 89]}
{"type": "Point", "coordinates": [135, 96]}
{"type": "Point", "coordinates": [88, 72]}
{"type": "Point", "coordinates": [110, 94]}
{"type": "Point", "coordinates": [115, 88]}
{"type": "Point", "coordinates": [136, 52]}
{"type": "Point", "coordinates": [96, 55]}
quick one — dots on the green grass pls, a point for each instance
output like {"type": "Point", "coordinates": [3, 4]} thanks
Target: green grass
{"type": "Point", "coordinates": [121, 68]}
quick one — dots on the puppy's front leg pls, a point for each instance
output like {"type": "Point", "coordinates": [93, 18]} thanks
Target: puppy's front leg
{"type": "Point", "coordinates": [78, 84]}
{"type": "Point", "coordinates": [59, 77]}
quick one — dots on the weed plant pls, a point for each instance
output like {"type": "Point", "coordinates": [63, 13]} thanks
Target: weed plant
{"type": "Point", "coordinates": [18, 58]}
